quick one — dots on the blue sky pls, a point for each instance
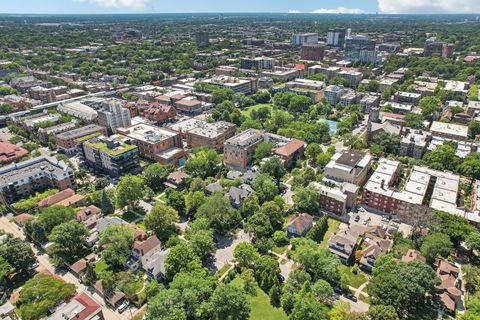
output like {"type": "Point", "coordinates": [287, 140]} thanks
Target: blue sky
{"type": "Point", "coordinates": [160, 6]}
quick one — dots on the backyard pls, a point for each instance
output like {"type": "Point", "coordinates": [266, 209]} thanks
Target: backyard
{"type": "Point", "coordinates": [333, 226]}
{"type": "Point", "coordinates": [249, 110]}
{"type": "Point", "coordinates": [261, 307]}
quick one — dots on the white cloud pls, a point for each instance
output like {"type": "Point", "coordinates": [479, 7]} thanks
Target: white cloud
{"type": "Point", "coordinates": [429, 6]}
{"type": "Point", "coordinates": [129, 4]}
{"type": "Point", "coordinates": [294, 11]}
{"type": "Point", "coordinates": [340, 10]}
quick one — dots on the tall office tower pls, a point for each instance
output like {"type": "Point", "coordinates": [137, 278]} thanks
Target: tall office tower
{"type": "Point", "coordinates": [359, 47]}
{"type": "Point", "coordinates": [336, 38]}
{"type": "Point", "coordinates": [202, 38]}
{"type": "Point", "coordinates": [299, 39]}
{"type": "Point", "coordinates": [312, 52]}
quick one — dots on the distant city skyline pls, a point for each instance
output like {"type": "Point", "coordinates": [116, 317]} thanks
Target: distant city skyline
{"type": "Point", "coordinates": [191, 6]}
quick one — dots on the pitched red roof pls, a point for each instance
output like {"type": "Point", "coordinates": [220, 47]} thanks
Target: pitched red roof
{"type": "Point", "coordinates": [57, 197]}
{"type": "Point", "coordinates": [10, 152]}
{"type": "Point", "coordinates": [91, 307]}
{"type": "Point", "coordinates": [146, 246]}
{"type": "Point", "coordinates": [291, 147]}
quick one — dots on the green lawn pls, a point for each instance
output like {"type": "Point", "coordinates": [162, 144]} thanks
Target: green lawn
{"type": "Point", "coordinates": [280, 250]}
{"type": "Point", "coordinates": [129, 216]}
{"type": "Point", "coordinates": [333, 226]}
{"type": "Point", "coordinates": [261, 307]}
{"type": "Point", "coordinates": [354, 280]}
{"type": "Point", "coordinates": [222, 270]}
{"type": "Point", "coordinates": [249, 110]}
{"type": "Point", "coordinates": [100, 266]}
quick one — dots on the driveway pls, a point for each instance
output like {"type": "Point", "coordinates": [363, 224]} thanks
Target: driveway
{"type": "Point", "coordinates": [225, 247]}
{"type": "Point", "coordinates": [358, 306]}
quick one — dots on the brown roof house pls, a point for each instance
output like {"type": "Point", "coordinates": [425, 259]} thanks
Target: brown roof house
{"type": "Point", "coordinates": [176, 180]}
{"type": "Point", "coordinates": [78, 268]}
{"type": "Point", "coordinates": [10, 152]}
{"type": "Point", "coordinates": [290, 152]}
{"type": "Point", "coordinates": [413, 255]}
{"type": "Point", "coordinates": [65, 198]}
{"type": "Point", "coordinates": [448, 294]}
{"type": "Point", "coordinates": [299, 225]}
{"type": "Point", "coordinates": [344, 242]}
{"type": "Point", "coordinates": [142, 252]}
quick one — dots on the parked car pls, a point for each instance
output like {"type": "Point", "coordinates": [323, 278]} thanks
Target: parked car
{"type": "Point", "coordinates": [357, 218]}
{"type": "Point", "coordinates": [125, 304]}
{"type": "Point", "coordinates": [350, 296]}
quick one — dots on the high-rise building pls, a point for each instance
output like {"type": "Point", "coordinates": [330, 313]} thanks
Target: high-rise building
{"type": "Point", "coordinates": [299, 39]}
{"type": "Point", "coordinates": [258, 63]}
{"type": "Point", "coordinates": [113, 115]}
{"type": "Point", "coordinates": [438, 48]}
{"type": "Point", "coordinates": [202, 38]}
{"type": "Point", "coordinates": [336, 38]}
{"type": "Point", "coordinates": [359, 47]}
{"type": "Point", "coordinates": [312, 52]}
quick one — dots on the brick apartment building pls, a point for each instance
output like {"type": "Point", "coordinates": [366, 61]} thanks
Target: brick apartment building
{"type": "Point", "coordinates": [25, 178]}
{"type": "Point", "coordinates": [199, 133]}
{"type": "Point", "coordinates": [69, 141]}
{"type": "Point", "coordinates": [349, 166]}
{"type": "Point", "coordinates": [157, 144]}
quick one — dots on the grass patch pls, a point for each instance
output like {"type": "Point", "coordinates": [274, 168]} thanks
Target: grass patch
{"type": "Point", "coordinates": [222, 270]}
{"type": "Point", "coordinates": [129, 216]}
{"type": "Point", "coordinates": [138, 282]}
{"type": "Point", "coordinates": [248, 111]}
{"type": "Point", "coordinates": [280, 250]}
{"type": "Point", "coordinates": [163, 198]}
{"type": "Point", "coordinates": [100, 266]}
{"type": "Point", "coordinates": [364, 299]}
{"type": "Point", "coordinates": [333, 226]}
{"type": "Point", "coordinates": [261, 307]}
{"type": "Point", "coordinates": [354, 280]}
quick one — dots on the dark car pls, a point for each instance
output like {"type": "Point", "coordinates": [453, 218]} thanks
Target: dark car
{"type": "Point", "coordinates": [350, 296]}
{"type": "Point", "coordinates": [357, 218]}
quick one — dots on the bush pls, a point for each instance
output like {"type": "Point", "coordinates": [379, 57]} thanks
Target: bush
{"type": "Point", "coordinates": [280, 238]}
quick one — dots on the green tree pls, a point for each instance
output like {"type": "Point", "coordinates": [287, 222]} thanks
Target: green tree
{"type": "Point", "coordinates": [312, 151]}
{"type": "Point", "coordinates": [473, 241]}
{"type": "Point", "coordinates": [307, 307]}
{"type": "Point", "coordinates": [436, 245]}
{"type": "Point", "coordinates": [41, 293]}
{"type": "Point", "coordinates": [176, 200]}
{"type": "Point", "coordinates": [274, 168]}
{"type": "Point", "coordinates": [263, 150]}
{"type": "Point", "coordinates": [155, 175]}
{"type": "Point", "coordinates": [258, 226]}
{"type": "Point", "coordinates": [17, 253]}
{"type": "Point", "coordinates": [222, 94]}
{"type": "Point", "coordinates": [5, 270]}
{"type": "Point", "coordinates": [129, 190]}
{"type": "Point", "coordinates": [274, 213]}
{"type": "Point", "coordinates": [266, 272]}
{"type": "Point", "coordinates": [407, 287]}
{"type": "Point", "coordinates": [245, 254]}
{"type": "Point", "coordinates": [442, 157]}
{"type": "Point", "coordinates": [68, 241]}
{"type": "Point", "coordinates": [107, 204]}
{"type": "Point", "coordinates": [430, 105]}
{"type": "Point", "coordinates": [117, 240]}
{"type": "Point", "coordinates": [55, 215]}
{"type": "Point", "coordinates": [470, 166]}
{"type": "Point", "coordinates": [181, 258]}
{"type": "Point", "coordinates": [250, 205]}
{"type": "Point", "coordinates": [266, 187]}
{"type": "Point", "coordinates": [161, 220]}
{"type": "Point", "coordinates": [458, 228]}
{"type": "Point", "coordinates": [204, 163]}
{"type": "Point", "coordinates": [193, 201]}
{"type": "Point", "coordinates": [229, 302]}
{"type": "Point", "coordinates": [380, 312]}
{"type": "Point", "coordinates": [274, 296]}
{"type": "Point", "coordinates": [299, 104]}
{"type": "Point", "coordinates": [414, 120]}
{"type": "Point", "coordinates": [319, 229]}
{"type": "Point", "coordinates": [323, 159]}
{"type": "Point", "coordinates": [219, 212]}
{"type": "Point", "coordinates": [166, 305]}
{"type": "Point", "coordinates": [306, 199]}
{"type": "Point", "coordinates": [322, 290]}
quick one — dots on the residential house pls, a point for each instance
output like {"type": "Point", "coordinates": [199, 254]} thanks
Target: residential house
{"type": "Point", "coordinates": [155, 267]}
{"type": "Point", "coordinates": [142, 252]}
{"type": "Point", "coordinates": [176, 180]}
{"type": "Point", "coordinates": [237, 195]}
{"type": "Point", "coordinates": [80, 307]}
{"type": "Point", "coordinates": [299, 225]}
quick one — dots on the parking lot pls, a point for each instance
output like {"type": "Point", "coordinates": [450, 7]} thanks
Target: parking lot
{"type": "Point", "coordinates": [368, 218]}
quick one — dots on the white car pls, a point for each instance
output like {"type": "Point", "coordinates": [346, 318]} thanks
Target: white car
{"type": "Point", "coordinates": [125, 304]}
